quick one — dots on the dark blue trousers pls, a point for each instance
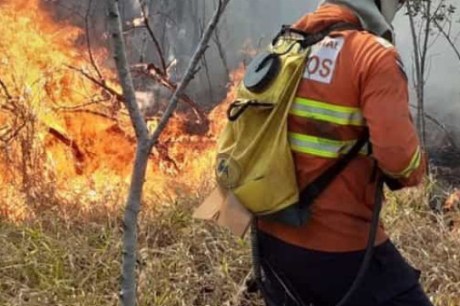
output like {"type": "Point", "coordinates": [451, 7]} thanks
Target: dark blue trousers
{"type": "Point", "coordinates": [294, 276]}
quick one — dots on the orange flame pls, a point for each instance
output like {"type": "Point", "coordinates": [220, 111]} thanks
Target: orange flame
{"type": "Point", "coordinates": [86, 140]}
{"type": "Point", "coordinates": [453, 200]}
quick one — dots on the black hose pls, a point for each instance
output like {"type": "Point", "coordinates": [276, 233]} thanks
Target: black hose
{"type": "Point", "coordinates": [378, 201]}
{"type": "Point", "coordinates": [257, 269]}
{"type": "Point", "coordinates": [370, 244]}
{"type": "Point", "coordinates": [255, 253]}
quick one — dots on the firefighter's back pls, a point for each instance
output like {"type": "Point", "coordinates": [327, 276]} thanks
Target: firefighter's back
{"type": "Point", "coordinates": [343, 93]}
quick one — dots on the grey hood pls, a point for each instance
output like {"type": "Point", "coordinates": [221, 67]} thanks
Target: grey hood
{"type": "Point", "coordinates": [369, 15]}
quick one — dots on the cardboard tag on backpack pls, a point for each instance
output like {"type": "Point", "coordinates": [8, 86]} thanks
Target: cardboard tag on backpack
{"type": "Point", "coordinates": [223, 208]}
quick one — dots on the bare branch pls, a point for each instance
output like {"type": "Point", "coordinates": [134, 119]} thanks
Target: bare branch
{"type": "Point", "coordinates": [155, 74]}
{"type": "Point", "coordinates": [100, 83]}
{"type": "Point", "coordinates": [88, 41]}
{"type": "Point", "coordinates": [448, 38]}
{"type": "Point", "coordinates": [222, 55]}
{"type": "Point", "coordinates": [11, 133]}
{"type": "Point", "coordinates": [80, 106]}
{"type": "Point", "coordinates": [121, 61]}
{"type": "Point", "coordinates": [205, 64]}
{"type": "Point", "coordinates": [428, 21]}
{"type": "Point", "coordinates": [191, 69]}
{"type": "Point", "coordinates": [438, 123]}
{"type": "Point", "coordinates": [91, 112]}
{"type": "Point", "coordinates": [66, 140]}
{"type": "Point", "coordinates": [418, 76]}
{"type": "Point", "coordinates": [5, 89]}
{"type": "Point", "coordinates": [154, 38]}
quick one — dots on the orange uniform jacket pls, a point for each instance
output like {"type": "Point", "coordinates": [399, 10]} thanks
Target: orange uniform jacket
{"type": "Point", "coordinates": [352, 79]}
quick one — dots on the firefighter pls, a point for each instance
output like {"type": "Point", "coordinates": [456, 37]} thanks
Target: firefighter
{"type": "Point", "coordinates": [353, 80]}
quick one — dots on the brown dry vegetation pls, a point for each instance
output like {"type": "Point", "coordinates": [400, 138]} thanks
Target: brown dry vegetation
{"type": "Point", "coordinates": [60, 236]}
{"type": "Point", "coordinates": [70, 256]}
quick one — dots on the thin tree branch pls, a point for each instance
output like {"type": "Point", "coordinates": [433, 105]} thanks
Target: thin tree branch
{"type": "Point", "coordinates": [11, 134]}
{"type": "Point", "coordinates": [222, 55]}
{"type": "Point", "coordinates": [100, 83]}
{"type": "Point", "coordinates": [429, 18]}
{"type": "Point", "coordinates": [154, 38]}
{"type": "Point", "coordinates": [121, 61]}
{"type": "Point", "coordinates": [5, 89]}
{"type": "Point", "coordinates": [436, 38]}
{"type": "Point", "coordinates": [191, 69]}
{"type": "Point", "coordinates": [88, 41]}
{"type": "Point", "coordinates": [69, 142]}
{"type": "Point", "coordinates": [208, 77]}
{"type": "Point", "coordinates": [441, 126]}
{"type": "Point", "coordinates": [448, 38]}
{"type": "Point", "coordinates": [88, 111]}
{"type": "Point", "coordinates": [418, 78]}
{"type": "Point", "coordinates": [80, 106]}
{"type": "Point", "coordinates": [204, 61]}
{"type": "Point", "coordinates": [152, 71]}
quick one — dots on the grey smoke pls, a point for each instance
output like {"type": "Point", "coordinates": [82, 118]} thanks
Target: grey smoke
{"type": "Point", "coordinates": [177, 24]}
{"type": "Point", "coordinates": [443, 82]}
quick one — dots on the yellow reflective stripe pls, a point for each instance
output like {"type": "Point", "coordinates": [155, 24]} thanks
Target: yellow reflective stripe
{"type": "Point", "coordinates": [341, 115]}
{"type": "Point", "coordinates": [333, 107]}
{"type": "Point", "coordinates": [321, 147]}
{"type": "Point", "coordinates": [413, 165]}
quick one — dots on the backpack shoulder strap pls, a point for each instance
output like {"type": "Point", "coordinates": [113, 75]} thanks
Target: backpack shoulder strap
{"type": "Point", "coordinates": [310, 39]}
{"type": "Point", "coordinates": [309, 194]}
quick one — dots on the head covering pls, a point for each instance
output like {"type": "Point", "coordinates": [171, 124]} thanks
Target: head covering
{"type": "Point", "coordinates": [369, 15]}
{"type": "Point", "coordinates": [389, 8]}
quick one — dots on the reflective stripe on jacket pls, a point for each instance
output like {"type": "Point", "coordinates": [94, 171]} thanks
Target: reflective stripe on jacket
{"type": "Point", "coordinates": [352, 80]}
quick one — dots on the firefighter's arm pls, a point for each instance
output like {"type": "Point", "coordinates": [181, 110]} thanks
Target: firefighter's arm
{"type": "Point", "coordinates": [385, 105]}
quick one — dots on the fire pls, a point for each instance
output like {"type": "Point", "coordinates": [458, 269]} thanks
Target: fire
{"type": "Point", "coordinates": [60, 128]}
{"type": "Point", "coordinates": [453, 200]}
{"type": "Point", "coordinates": [451, 210]}
{"type": "Point", "coordinates": [219, 114]}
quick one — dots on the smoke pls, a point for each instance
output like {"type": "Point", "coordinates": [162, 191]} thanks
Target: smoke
{"type": "Point", "coordinates": [248, 26]}
{"type": "Point", "coordinates": [442, 93]}
{"type": "Point", "coordinates": [262, 18]}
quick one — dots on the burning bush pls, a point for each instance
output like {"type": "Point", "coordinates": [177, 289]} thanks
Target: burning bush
{"type": "Point", "coordinates": [61, 124]}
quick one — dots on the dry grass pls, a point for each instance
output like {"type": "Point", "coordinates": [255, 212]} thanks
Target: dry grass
{"type": "Point", "coordinates": [430, 241]}
{"type": "Point", "coordinates": [65, 257]}
{"type": "Point", "coordinates": [57, 260]}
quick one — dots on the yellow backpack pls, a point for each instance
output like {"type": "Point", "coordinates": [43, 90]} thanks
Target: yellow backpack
{"type": "Point", "coordinates": [254, 159]}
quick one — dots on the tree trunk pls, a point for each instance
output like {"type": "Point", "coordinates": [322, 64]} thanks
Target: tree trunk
{"type": "Point", "coordinates": [420, 56]}
{"type": "Point", "coordinates": [128, 277]}
{"type": "Point", "coordinates": [133, 205]}
{"type": "Point", "coordinates": [145, 141]}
